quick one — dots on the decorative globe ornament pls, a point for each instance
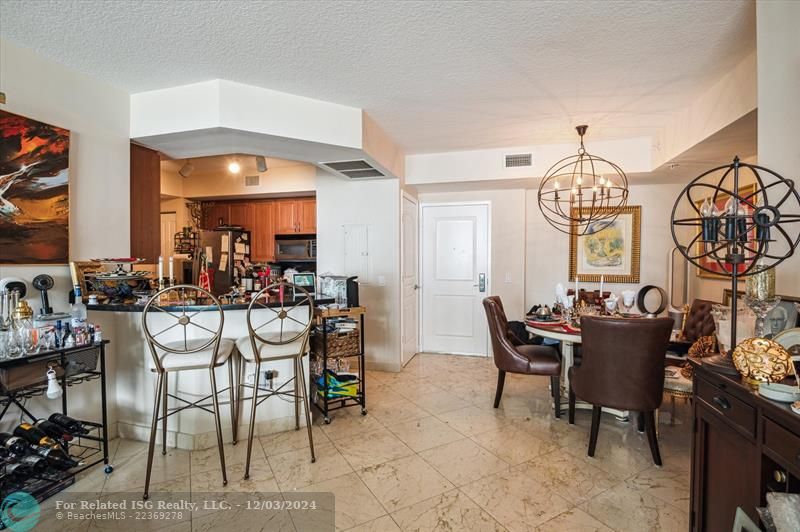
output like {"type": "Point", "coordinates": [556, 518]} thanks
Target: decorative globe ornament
{"type": "Point", "coordinates": [760, 360]}
{"type": "Point", "coordinates": [735, 221]}
{"type": "Point", "coordinates": [583, 194]}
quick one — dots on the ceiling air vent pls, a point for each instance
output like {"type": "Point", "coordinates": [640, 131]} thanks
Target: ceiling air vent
{"type": "Point", "coordinates": [251, 180]}
{"type": "Point", "coordinates": [357, 169]}
{"type": "Point", "coordinates": [516, 160]}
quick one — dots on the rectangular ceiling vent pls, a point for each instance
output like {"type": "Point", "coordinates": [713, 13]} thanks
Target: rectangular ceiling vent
{"type": "Point", "coordinates": [251, 180]}
{"type": "Point", "coordinates": [357, 169]}
{"type": "Point", "coordinates": [516, 160]}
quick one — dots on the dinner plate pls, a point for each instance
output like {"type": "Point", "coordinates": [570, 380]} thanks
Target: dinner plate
{"type": "Point", "coordinates": [779, 392]}
{"type": "Point", "coordinates": [790, 340]}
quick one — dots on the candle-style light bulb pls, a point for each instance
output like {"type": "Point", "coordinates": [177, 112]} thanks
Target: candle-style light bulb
{"type": "Point", "coordinates": [579, 180]}
{"type": "Point", "coordinates": [555, 185]}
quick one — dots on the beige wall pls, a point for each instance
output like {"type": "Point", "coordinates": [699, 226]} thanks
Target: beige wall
{"type": "Point", "coordinates": [280, 180]}
{"type": "Point", "coordinates": [97, 116]}
{"type": "Point", "coordinates": [778, 108]}
{"type": "Point", "coordinates": [375, 204]}
{"type": "Point", "coordinates": [507, 241]}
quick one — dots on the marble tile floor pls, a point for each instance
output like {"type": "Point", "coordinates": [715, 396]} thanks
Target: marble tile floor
{"type": "Point", "coordinates": [432, 454]}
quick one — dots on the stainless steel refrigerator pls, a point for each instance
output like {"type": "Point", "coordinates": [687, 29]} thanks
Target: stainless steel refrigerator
{"type": "Point", "coordinates": [225, 253]}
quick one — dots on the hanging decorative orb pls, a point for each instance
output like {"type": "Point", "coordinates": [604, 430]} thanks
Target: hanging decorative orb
{"type": "Point", "coordinates": [739, 216]}
{"type": "Point", "coordinates": [583, 194]}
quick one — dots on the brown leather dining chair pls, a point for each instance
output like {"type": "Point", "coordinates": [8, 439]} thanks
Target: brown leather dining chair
{"type": "Point", "coordinates": [622, 368]}
{"type": "Point", "coordinates": [523, 359]}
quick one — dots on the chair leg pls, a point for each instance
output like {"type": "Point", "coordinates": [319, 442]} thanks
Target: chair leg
{"type": "Point", "coordinates": [652, 437]}
{"type": "Point", "coordinates": [571, 414]}
{"type": "Point", "coordinates": [672, 411]}
{"type": "Point", "coordinates": [232, 398]}
{"type": "Point", "coordinates": [555, 385]}
{"type": "Point", "coordinates": [164, 414]}
{"type": "Point", "coordinates": [640, 422]}
{"type": "Point", "coordinates": [254, 400]}
{"type": "Point", "coordinates": [501, 379]}
{"type": "Point", "coordinates": [307, 407]}
{"type": "Point", "coordinates": [241, 366]}
{"type": "Point", "coordinates": [596, 411]}
{"type": "Point", "coordinates": [153, 428]}
{"type": "Point", "coordinates": [218, 424]}
{"type": "Point", "coordinates": [297, 369]}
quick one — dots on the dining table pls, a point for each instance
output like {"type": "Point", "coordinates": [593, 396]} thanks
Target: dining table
{"type": "Point", "coordinates": [568, 336]}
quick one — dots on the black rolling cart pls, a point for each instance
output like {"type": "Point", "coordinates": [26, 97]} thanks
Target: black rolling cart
{"type": "Point", "coordinates": [24, 377]}
{"type": "Point", "coordinates": [330, 345]}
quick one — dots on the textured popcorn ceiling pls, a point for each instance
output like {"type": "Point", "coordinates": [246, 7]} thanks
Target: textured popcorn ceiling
{"type": "Point", "coordinates": [437, 76]}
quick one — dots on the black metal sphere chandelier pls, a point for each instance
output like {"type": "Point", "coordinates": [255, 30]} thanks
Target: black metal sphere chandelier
{"type": "Point", "coordinates": [736, 224]}
{"type": "Point", "coordinates": [583, 194]}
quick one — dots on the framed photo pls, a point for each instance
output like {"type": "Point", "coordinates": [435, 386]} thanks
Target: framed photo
{"type": "Point", "coordinates": [306, 281]}
{"type": "Point", "coordinates": [78, 271]}
{"type": "Point", "coordinates": [783, 317]}
{"type": "Point", "coordinates": [710, 262]}
{"type": "Point", "coordinates": [612, 252]}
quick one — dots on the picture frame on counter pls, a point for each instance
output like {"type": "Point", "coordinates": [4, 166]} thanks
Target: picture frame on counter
{"type": "Point", "coordinates": [783, 317]}
{"type": "Point", "coordinates": [306, 281]}
{"type": "Point", "coordinates": [78, 271]}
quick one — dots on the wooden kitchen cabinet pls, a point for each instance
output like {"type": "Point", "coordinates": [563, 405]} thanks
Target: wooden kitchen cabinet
{"type": "Point", "coordinates": [145, 222]}
{"type": "Point", "coordinates": [262, 234]}
{"type": "Point", "coordinates": [214, 212]}
{"type": "Point", "coordinates": [243, 213]}
{"type": "Point", "coordinates": [307, 216]}
{"type": "Point", "coordinates": [297, 215]}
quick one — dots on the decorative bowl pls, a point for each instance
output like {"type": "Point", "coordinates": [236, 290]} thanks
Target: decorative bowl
{"type": "Point", "coordinates": [761, 360]}
{"type": "Point", "coordinates": [779, 392]}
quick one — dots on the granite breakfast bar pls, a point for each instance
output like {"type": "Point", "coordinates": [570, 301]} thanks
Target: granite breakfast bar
{"type": "Point", "coordinates": [132, 383]}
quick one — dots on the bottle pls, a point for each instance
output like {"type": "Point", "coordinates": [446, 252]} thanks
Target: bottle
{"type": "Point", "coordinates": [56, 457]}
{"type": "Point", "coordinates": [98, 335]}
{"type": "Point", "coordinates": [256, 281]}
{"type": "Point", "coordinates": [15, 444]}
{"type": "Point", "coordinates": [78, 311]}
{"type": "Point", "coordinates": [73, 426]}
{"type": "Point", "coordinates": [248, 280]}
{"type": "Point", "coordinates": [57, 432]}
{"type": "Point", "coordinates": [18, 470]}
{"type": "Point", "coordinates": [34, 435]}
{"type": "Point", "coordinates": [69, 339]}
{"type": "Point", "coordinates": [59, 334]}
{"type": "Point", "coordinates": [37, 463]}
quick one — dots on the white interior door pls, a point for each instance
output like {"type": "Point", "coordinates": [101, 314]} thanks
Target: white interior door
{"type": "Point", "coordinates": [455, 277]}
{"type": "Point", "coordinates": [169, 226]}
{"type": "Point", "coordinates": [410, 279]}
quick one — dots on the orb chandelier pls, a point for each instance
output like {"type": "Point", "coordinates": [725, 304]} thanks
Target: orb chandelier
{"type": "Point", "coordinates": [583, 194]}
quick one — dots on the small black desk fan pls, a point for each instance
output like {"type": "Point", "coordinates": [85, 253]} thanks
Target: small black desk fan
{"type": "Point", "coordinates": [43, 283]}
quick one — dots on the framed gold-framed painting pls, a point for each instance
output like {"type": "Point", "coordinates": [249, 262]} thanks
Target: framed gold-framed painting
{"type": "Point", "coordinates": [709, 262]}
{"type": "Point", "coordinates": [613, 251]}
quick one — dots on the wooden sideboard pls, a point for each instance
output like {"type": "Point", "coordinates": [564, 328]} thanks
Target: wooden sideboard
{"type": "Point", "coordinates": [741, 443]}
{"type": "Point", "coordinates": [264, 219]}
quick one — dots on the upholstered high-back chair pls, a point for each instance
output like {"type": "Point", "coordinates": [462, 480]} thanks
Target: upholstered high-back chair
{"type": "Point", "coordinates": [523, 359]}
{"type": "Point", "coordinates": [622, 368]}
{"type": "Point", "coordinates": [699, 321]}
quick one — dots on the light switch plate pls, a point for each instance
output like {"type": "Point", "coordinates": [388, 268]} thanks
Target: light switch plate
{"type": "Point", "coordinates": [381, 280]}
{"type": "Point", "coordinates": [508, 278]}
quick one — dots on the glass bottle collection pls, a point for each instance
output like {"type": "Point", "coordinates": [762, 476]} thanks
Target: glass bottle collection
{"type": "Point", "coordinates": [20, 335]}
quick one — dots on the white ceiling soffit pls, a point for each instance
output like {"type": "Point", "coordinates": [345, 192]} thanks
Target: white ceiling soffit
{"type": "Point", "coordinates": [437, 75]}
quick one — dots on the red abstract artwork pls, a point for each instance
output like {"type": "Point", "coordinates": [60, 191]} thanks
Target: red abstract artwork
{"type": "Point", "coordinates": [34, 191]}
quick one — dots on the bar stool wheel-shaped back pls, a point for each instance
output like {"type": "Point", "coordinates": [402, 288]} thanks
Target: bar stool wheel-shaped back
{"type": "Point", "coordinates": [198, 346]}
{"type": "Point", "coordinates": [286, 339]}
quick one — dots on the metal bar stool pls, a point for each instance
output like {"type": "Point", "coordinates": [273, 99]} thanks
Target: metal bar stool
{"type": "Point", "coordinates": [290, 341]}
{"type": "Point", "coordinates": [188, 353]}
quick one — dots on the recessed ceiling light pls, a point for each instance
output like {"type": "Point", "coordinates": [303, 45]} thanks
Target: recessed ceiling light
{"type": "Point", "coordinates": [234, 167]}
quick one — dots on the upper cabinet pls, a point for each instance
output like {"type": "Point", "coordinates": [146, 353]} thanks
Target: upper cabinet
{"type": "Point", "coordinates": [262, 233]}
{"type": "Point", "coordinates": [298, 215]}
{"type": "Point", "coordinates": [243, 214]}
{"type": "Point", "coordinates": [145, 183]}
{"type": "Point", "coordinates": [216, 214]}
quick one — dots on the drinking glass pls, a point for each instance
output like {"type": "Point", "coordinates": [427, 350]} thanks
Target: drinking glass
{"type": "Point", "coordinates": [5, 341]}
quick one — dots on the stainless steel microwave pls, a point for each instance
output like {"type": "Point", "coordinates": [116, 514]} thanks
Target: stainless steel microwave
{"type": "Point", "coordinates": [295, 249]}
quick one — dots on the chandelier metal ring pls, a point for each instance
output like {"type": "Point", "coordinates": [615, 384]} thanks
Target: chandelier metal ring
{"type": "Point", "coordinates": [582, 193]}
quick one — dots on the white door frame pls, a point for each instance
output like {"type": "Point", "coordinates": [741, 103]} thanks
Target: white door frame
{"type": "Point", "coordinates": [415, 201]}
{"type": "Point", "coordinates": [421, 208]}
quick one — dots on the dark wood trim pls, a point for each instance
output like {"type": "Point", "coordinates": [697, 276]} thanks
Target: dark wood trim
{"type": "Point", "coordinates": [145, 202]}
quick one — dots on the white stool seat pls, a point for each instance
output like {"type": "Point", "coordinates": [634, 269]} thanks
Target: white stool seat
{"type": "Point", "coordinates": [199, 360]}
{"type": "Point", "coordinates": [269, 351]}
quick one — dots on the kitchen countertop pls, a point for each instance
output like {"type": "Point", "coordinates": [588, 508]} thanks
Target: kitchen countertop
{"type": "Point", "coordinates": [272, 303]}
